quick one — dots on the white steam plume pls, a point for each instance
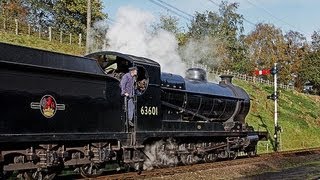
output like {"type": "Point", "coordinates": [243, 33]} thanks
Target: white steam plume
{"type": "Point", "coordinates": [158, 155]}
{"type": "Point", "coordinates": [130, 34]}
{"type": "Point", "coordinates": [202, 53]}
{"type": "Point", "coordinates": [97, 40]}
{"type": "Point", "coordinates": [163, 153]}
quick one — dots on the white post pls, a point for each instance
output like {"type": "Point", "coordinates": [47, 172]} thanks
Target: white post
{"type": "Point", "coordinates": [39, 31]}
{"type": "Point", "coordinates": [80, 39]}
{"type": "Point", "coordinates": [60, 36]}
{"type": "Point", "coordinates": [29, 29]}
{"type": "Point", "coordinates": [50, 34]}
{"type": "Point", "coordinates": [16, 21]}
{"type": "Point", "coordinates": [70, 40]}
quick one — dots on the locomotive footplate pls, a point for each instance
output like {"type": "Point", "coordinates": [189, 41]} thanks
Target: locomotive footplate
{"type": "Point", "coordinates": [141, 135]}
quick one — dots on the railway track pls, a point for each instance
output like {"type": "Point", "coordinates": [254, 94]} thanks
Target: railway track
{"type": "Point", "coordinates": [216, 165]}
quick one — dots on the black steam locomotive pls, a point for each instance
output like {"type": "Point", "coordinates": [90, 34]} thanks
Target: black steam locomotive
{"type": "Point", "coordinates": [65, 112]}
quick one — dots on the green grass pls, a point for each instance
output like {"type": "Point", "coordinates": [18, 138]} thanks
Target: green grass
{"type": "Point", "coordinates": [36, 42]}
{"type": "Point", "coordinates": [299, 116]}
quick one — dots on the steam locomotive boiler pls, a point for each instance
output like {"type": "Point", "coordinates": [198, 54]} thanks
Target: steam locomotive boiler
{"type": "Point", "coordinates": [62, 112]}
{"type": "Point", "coordinates": [203, 101]}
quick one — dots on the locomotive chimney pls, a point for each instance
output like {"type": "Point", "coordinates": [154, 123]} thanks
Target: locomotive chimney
{"type": "Point", "coordinates": [226, 79]}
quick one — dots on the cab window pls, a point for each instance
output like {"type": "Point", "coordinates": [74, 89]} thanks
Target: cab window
{"type": "Point", "coordinates": [142, 80]}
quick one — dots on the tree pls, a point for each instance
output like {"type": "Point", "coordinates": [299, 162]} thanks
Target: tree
{"type": "Point", "coordinates": [14, 9]}
{"type": "Point", "coordinates": [232, 22]}
{"type": "Point", "coordinates": [204, 24]}
{"type": "Point", "coordinates": [71, 15]}
{"type": "Point", "coordinates": [315, 42]}
{"type": "Point", "coordinates": [168, 23]}
{"type": "Point", "coordinates": [311, 69]}
{"type": "Point", "coordinates": [226, 27]}
{"type": "Point", "coordinates": [266, 45]}
{"type": "Point", "coordinates": [41, 12]}
{"type": "Point", "coordinates": [297, 48]}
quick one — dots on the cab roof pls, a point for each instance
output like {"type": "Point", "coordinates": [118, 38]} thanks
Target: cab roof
{"type": "Point", "coordinates": [133, 59]}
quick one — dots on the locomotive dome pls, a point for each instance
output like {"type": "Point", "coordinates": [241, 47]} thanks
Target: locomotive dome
{"type": "Point", "coordinates": [196, 74]}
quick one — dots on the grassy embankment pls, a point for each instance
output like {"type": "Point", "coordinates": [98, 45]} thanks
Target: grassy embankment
{"type": "Point", "coordinates": [299, 114]}
{"type": "Point", "coordinates": [36, 42]}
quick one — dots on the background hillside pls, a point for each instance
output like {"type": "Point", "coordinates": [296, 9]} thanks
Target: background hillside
{"type": "Point", "coordinates": [299, 116]}
{"type": "Point", "coordinates": [31, 41]}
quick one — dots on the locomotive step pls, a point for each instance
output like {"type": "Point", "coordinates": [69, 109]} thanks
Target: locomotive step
{"type": "Point", "coordinates": [133, 147]}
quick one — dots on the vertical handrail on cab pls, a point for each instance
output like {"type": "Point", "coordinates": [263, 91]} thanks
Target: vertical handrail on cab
{"type": "Point", "coordinates": [126, 120]}
{"type": "Point", "coordinates": [134, 120]}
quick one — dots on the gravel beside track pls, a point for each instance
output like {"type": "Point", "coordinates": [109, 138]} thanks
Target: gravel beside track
{"type": "Point", "coordinates": [232, 169]}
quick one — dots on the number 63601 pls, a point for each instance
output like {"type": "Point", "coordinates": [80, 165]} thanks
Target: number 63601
{"type": "Point", "coordinates": [149, 110]}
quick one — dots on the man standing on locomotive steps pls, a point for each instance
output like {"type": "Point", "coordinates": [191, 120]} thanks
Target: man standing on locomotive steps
{"type": "Point", "coordinates": [128, 91]}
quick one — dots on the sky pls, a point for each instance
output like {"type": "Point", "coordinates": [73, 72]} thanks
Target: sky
{"type": "Point", "coordinates": [297, 15]}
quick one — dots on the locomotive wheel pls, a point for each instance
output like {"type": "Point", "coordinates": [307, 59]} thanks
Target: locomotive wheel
{"type": "Point", "coordinates": [31, 176]}
{"type": "Point", "coordinates": [233, 155]}
{"type": "Point", "coordinates": [50, 176]}
{"type": "Point", "coordinates": [187, 159]}
{"type": "Point", "coordinates": [210, 157]}
{"type": "Point", "coordinates": [252, 153]}
{"type": "Point", "coordinates": [90, 170]}
{"type": "Point", "coordinates": [190, 159]}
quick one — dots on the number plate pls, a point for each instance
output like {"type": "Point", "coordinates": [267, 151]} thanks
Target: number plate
{"type": "Point", "coordinates": [149, 110]}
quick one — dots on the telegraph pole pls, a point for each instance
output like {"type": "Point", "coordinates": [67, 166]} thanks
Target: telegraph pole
{"type": "Point", "coordinates": [88, 25]}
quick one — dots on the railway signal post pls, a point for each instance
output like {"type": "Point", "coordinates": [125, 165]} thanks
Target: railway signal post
{"type": "Point", "coordinates": [274, 71]}
{"type": "Point", "coordinates": [274, 96]}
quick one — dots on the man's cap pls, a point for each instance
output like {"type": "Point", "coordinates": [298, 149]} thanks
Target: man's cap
{"type": "Point", "coordinates": [133, 68]}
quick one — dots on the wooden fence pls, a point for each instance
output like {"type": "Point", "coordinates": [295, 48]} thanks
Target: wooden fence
{"type": "Point", "coordinates": [245, 77]}
{"type": "Point", "coordinates": [17, 27]}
